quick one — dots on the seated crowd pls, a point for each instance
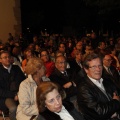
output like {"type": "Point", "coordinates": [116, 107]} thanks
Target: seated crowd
{"type": "Point", "coordinates": [60, 78]}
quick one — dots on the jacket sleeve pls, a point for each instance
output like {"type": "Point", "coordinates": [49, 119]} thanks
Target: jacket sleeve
{"type": "Point", "coordinates": [27, 99]}
{"type": "Point", "coordinates": [95, 104]}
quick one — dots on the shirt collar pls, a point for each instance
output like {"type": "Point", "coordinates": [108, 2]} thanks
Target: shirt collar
{"type": "Point", "coordinates": [96, 81]}
{"type": "Point", "coordinates": [8, 68]}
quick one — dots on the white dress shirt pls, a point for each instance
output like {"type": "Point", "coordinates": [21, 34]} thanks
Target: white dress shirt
{"type": "Point", "coordinates": [64, 114]}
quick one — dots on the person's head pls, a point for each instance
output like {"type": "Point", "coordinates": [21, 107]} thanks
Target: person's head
{"type": "Point", "coordinates": [37, 47]}
{"type": "Point", "coordinates": [78, 55]}
{"type": "Point", "coordinates": [11, 41]}
{"type": "Point", "coordinates": [79, 45]}
{"type": "Point", "coordinates": [61, 47]}
{"type": "Point", "coordinates": [60, 63]}
{"type": "Point", "coordinates": [35, 66]}
{"type": "Point", "coordinates": [107, 60]}
{"type": "Point", "coordinates": [113, 50]}
{"type": "Point", "coordinates": [16, 50]}
{"type": "Point", "coordinates": [93, 66]}
{"type": "Point", "coordinates": [5, 58]}
{"type": "Point", "coordinates": [93, 35]}
{"type": "Point", "coordinates": [31, 47]}
{"type": "Point", "coordinates": [49, 95]}
{"type": "Point", "coordinates": [44, 55]}
{"type": "Point", "coordinates": [35, 39]}
{"type": "Point", "coordinates": [102, 45]}
{"type": "Point", "coordinates": [28, 54]}
{"type": "Point", "coordinates": [58, 53]}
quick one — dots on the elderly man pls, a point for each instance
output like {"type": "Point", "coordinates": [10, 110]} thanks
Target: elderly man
{"type": "Point", "coordinates": [110, 71]}
{"type": "Point", "coordinates": [10, 78]}
{"type": "Point", "coordinates": [63, 77]}
{"type": "Point", "coordinates": [97, 97]}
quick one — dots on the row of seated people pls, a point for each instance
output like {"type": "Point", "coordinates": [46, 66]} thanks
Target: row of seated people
{"type": "Point", "coordinates": [35, 73]}
{"type": "Point", "coordinates": [20, 58]}
{"type": "Point", "coordinates": [53, 71]}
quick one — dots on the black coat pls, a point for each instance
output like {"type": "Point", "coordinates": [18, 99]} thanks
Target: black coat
{"type": "Point", "coordinates": [93, 103]}
{"type": "Point", "coordinates": [74, 66]}
{"type": "Point", "coordinates": [48, 115]}
{"type": "Point", "coordinates": [60, 79]}
{"type": "Point", "coordinates": [115, 77]}
{"type": "Point", "coordinates": [9, 83]}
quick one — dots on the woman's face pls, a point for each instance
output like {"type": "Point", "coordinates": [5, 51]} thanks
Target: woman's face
{"type": "Point", "coordinates": [41, 72]}
{"type": "Point", "coordinates": [53, 101]}
{"type": "Point", "coordinates": [44, 56]}
{"type": "Point", "coordinates": [29, 54]}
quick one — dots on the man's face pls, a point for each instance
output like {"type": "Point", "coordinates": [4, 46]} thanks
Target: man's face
{"type": "Point", "coordinates": [62, 48]}
{"type": "Point", "coordinates": [61, 64]}
{"type": "Point", "coordinates": [95, 69]}
{"type": "Point", "coordinates": [107, 60]}
{"type": "Point", "coordinates": [102, 45]}
{"type": "Point", "coordinates": [79, 45]}
{"type": "Point", "coordinates": [5, 59]}
{"type": "Point", "coordinates": [78, 56]}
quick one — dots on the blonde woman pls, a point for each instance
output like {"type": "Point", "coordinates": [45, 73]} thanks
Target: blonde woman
{"type": "Point", "coordinates": [27, 108]}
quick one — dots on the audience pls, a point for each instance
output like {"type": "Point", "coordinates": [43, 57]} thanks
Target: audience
{"type": "Point", "coordinates": [61, 56]}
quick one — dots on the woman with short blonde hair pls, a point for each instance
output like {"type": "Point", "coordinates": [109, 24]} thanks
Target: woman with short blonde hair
{"type": "Point", "coordinates": [27, 108]}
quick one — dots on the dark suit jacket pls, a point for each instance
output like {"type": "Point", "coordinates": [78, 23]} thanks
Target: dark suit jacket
{"type": "Point", "coordinates": [115, 77]}
{"type": "Point", "coordinates": [60, 79]}
{"type": "Point", "coordinates": [74, 66]}
{"type": "Point", "coordinates": [9, 83]}
{"type": "Point", "coordinates": [94, 104]}
{"type": "Point", "coordinates": [75, 69]}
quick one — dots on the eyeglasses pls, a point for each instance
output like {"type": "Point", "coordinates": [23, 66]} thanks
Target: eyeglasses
{"type": "Point", "coordinates": [6, 57]}
{"type": "Point", "coordinates": [62, 62]}
{"type": "Point", "coordinates": [108, 60]}
{"type": "Point", "coordinates": [94, 67]}
{"type": "Point", "coordinates": [44, 55]}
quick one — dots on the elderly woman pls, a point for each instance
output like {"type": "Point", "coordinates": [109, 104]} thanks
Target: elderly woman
{"type": "Point", "coordinates": [49, 102]}
{"type": "Point", "coordinates": [27, 108]}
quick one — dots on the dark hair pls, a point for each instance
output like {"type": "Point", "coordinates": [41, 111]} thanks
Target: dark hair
{"type": "Point", "coordinates": [60, 56]}
{"type": "Point", "coordinates": [3, 51]}
{"type": "Point", "coordinates": [89, 58]}
{"type": "Point", "coordinates": [44, 49]}
{"type": "Point", "coordinates": [25, 52]}
{"type": "Point", "coordinates": [43, 89]}
{"type": "Point", "coordinates": [61, 43]}
{"type": "Point", "coordinates": [57, 53]}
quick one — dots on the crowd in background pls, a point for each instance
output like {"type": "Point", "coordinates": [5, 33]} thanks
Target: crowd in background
{"type": "Point", "coordinates": [61, 54]}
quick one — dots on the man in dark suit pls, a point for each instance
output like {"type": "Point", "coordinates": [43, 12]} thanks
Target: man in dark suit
{"type": "Point", "coordinates": [97, 98]}
{"type": "Point", "coordinates": [76, 66]}
{"type": "Point", "coordinates": [63, 77]}
{"type": "Point", "coordinates": [76, 63]}
{"type": "Point", "coordinates": [109, 71]}
{"type": "Point", "coordinates": [10, 78]}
